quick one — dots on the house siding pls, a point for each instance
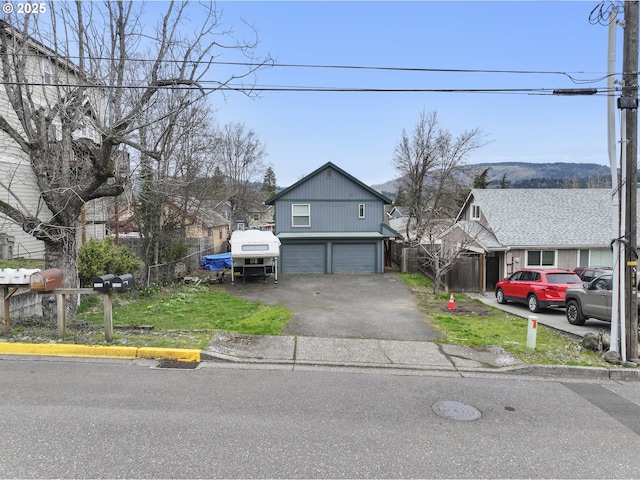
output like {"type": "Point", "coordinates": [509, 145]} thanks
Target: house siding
{"type": "Point", "coordinates": [331, 216]}
{"type": "Point", "coordinates": [338, 239]}
{"type": "Point", "coordinates": [19, 187]}
{"type": "Point", "coordinates": [338, 186]}
{"type": "Point", "coordinates": [18, 177]}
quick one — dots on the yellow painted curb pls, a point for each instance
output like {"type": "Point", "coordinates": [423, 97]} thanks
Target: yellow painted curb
{"type": "Point", "coordinates": [67, 350]}
{"type": "Point", "coordinates": [98, 351]}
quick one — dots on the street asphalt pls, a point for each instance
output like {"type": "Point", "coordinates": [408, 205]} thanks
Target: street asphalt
{"type": "Point", "coordinates": [364, 321]}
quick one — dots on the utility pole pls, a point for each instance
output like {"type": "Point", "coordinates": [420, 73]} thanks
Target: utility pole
{"type": "Point", "coordinates": [629, 103]}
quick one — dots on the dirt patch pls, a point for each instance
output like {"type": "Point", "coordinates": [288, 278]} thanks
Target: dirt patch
{"type": "Point", "coordinates": [467, 307]}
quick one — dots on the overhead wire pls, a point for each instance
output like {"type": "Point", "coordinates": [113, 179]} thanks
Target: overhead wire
{"type": "Point", "coordinates": [291, 88]}
{"type": "Point", "coordinates": [218, 86]}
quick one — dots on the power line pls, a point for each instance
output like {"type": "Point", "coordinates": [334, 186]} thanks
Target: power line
{"type": "Point", "coordinates": [571, 75]}
{"type": "Point", "coordinates": [284, 88]}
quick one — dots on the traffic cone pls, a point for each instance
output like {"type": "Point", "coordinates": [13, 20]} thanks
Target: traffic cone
{"type": "Point", "coordinates": [452, 303]}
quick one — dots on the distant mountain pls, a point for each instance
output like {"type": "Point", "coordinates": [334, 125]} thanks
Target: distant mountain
{"type": "Point", "coordinates": [530, 175]}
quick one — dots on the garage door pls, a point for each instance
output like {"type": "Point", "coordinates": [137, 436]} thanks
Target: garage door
{"type": "Point", "coordinates": [354, 258]}
{"type": "Point", "coordinates": [303, 258]}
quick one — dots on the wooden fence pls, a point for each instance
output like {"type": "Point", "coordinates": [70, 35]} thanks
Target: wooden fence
{"type": "Point", "coordinates": [463, 277]}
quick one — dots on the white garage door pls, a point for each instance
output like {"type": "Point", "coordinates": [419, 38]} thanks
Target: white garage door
{"type": "Point", "coordinates": [354, 258]}
{"type": "Point", "coordinates": [303, 258]}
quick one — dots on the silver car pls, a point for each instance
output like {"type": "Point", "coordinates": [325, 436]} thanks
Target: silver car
{"type": "Point", "coordinates": [592, 300]}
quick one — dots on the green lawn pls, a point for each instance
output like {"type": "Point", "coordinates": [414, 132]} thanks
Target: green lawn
{"type": "Point", "coordinates": [201, 309]}
{"type": "Point", "coordinates": [187, 316]}
{"type": "Point", "coordinates": [474, 324]}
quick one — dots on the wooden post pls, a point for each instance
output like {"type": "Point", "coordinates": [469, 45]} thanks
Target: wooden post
{"type": "Point", "coordinates": [108, 318]}
{"type": "Point", "coordinates": [61, 294]}
{"type": "Point", "coordinates": [630, 91]}
{"type": "Point", "coordinates": [61, 307]}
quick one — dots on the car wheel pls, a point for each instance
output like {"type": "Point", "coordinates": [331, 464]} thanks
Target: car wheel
{"type": "Point", "coordinates": [500, 296]}
{"type": "Point", "coordinates": [574, 314]}
{"type": "Point", "coordinates": [533, 303]}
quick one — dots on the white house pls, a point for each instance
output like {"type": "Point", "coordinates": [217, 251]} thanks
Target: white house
{"type": "Point", "coordinates": [49, 76]}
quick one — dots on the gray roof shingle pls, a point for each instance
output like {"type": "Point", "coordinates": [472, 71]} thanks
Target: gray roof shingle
{"type": "Point", "coordinates": [578, 218]}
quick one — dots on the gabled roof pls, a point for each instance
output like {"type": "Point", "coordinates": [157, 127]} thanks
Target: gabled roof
{"type": "Point", "coordinates": [578, 218]}
{"type": "Point", "coordinates": [479, 235]}
{"type": "Point", "coordinates": [272, 200]}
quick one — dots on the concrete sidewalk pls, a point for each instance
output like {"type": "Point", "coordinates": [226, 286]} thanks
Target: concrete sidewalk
{"type": "Point", "coordinates": [390, 354]}
{"type": "Point", "coordinates": [297, 352]}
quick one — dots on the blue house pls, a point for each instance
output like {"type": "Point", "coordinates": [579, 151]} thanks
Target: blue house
{"type": "Point", "coordinates": [331, 222]}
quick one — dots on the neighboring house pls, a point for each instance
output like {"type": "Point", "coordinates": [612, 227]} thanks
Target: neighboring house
{"type": "Point", "coordinates": [50, 73]}
{"type": "Point", "coordinates": [398, 212]}
{"type": "Point", "coordinates": [257, 217]}
{"type": "Point", "coordinates": [214, 227]}
{"type": "Point", "coordinates": [331, 222]}
{"type": "Point", "coordinates": [260, 217]}
{"type": "Point", "coordinates": [510, 229]}
{"type": "Point", "coordinates": [239, 222]}
{"type": "Point", "coordinates": [211, 228]}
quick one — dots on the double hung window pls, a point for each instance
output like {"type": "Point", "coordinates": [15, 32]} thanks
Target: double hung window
{"type": "Point", "coordinates": [300, 215]}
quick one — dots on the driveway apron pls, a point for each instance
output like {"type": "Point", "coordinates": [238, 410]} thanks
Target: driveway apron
{"type": "Point", "coordinates": [373, 306]}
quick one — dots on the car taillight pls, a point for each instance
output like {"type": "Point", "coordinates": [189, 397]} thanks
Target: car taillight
{"type": "Point", "coordinates": [551, 287]}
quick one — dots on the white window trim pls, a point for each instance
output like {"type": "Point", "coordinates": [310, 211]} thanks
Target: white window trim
{"type": "Point", "coordinates": [361, 210]}
{"type": "Point", "coordinates": [47, 72]}
{"type": "Point", "coordinates": [555, 258]}
{"type": "Point", "coordinates": [293, 215]}
{"type": "Point", "coordinates": [475, 212]}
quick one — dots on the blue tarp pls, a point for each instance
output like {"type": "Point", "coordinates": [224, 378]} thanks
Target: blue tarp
{"type": "Point", "coordinates": [216, 262]}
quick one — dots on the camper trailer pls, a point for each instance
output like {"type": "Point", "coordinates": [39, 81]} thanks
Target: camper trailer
{"type": "Point", "coordinates": [254, 253]}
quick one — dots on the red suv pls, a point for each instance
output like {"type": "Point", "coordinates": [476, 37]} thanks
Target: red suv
{"type": "Point", "coordinates": [537, 287]}
{"type": "Point", "coordinates": [587, 274]}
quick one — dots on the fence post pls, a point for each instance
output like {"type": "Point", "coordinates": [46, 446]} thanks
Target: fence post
{"type": "Point", "coordinates": [61, 307]}
{"type": "Point", "coordinates": [108, 317]}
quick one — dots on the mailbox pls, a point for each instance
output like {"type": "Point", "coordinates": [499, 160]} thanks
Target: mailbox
{"type": "Point", "coordinates": [103, 282]}
{"type": "Point", "coordinates": [123, 282]}
{"type": "Point", "coordinates": [45, 280]}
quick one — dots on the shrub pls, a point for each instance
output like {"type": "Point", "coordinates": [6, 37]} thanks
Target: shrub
{"type": "Point", "coordinates": [174, 251]}
{"type": "Point", "coordinates": [98, 257]}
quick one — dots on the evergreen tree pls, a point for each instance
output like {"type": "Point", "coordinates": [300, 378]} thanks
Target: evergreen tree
{"type": "Point", "coordinates": [480, 180]}
{"type": "Point", "coordinates": [504, 183]}
{"type": "Point", "coordinates": [401, 199]}
{"type": "Point", "coordinates": [269, 184]}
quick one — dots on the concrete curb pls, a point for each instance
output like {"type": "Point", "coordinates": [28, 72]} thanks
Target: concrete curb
{"type": "Point", "coordinates": [98, 351]}
{"type": "Point", "coordinates": [547, 372]}
{"type": "Point", "coordinates": [192, 355]}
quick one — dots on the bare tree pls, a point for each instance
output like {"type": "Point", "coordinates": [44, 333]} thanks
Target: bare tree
{"type": "Point", "coordinates": [240, 155]}
{"type": "Point", "coordinates": [415, 157]}
{"type": "Point", "coordinates": [427, 161]}
{"type": "Point", "coordinates": [170, 182]}
{"type": "Point", "coordinates": [121, 62]}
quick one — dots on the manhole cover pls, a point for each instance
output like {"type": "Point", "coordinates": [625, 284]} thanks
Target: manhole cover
{"type": "Point", "coordinates": [456, 410]}
{"type": "Point", "coordinates": [167, 363]}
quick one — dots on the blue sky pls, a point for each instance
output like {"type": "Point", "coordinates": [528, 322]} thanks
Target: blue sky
{"type": "Point", "coordinates": [359, 131]}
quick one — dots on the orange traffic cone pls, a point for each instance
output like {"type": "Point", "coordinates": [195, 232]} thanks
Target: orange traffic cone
{"type": "Point", "coordinates": [452, 303]}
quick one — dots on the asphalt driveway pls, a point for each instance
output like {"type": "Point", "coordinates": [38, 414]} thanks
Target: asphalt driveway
{"type": "Point", "coordinates": [376, 306]}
